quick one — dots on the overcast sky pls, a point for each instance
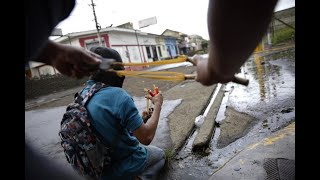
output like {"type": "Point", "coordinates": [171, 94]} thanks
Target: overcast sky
{"type": "Point", "coordinates": [187, 16]}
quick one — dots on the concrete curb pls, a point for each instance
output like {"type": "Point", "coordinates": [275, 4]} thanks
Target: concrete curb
{"type": "Point", "coordinates": [181, 121]}
{"type": "Point", "coordinates": [207, 128]}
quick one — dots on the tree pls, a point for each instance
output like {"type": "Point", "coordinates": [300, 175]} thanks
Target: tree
{"type": "Point", "coordinates": [204, 45]}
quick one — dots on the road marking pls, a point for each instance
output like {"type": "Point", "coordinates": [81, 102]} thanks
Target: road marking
{"type": "Point", "coordinates": [280, 135]}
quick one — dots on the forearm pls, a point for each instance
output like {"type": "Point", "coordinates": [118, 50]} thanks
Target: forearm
{"type": "Point", "coordinates": [152, 123]}
{"type": "Point", "coordinates": [49, 52]}
{"type": "Point", "coordinates": [235, 29]}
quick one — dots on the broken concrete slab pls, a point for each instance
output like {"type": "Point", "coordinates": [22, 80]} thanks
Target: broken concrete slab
{"type": "Point", "coordinates": [207, 128]}
{"type": "Point", "coordinates": [194, 98]}
{"type": "Point", "coordinates": [234, 126]}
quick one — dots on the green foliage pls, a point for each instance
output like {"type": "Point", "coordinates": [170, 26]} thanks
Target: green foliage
{"type": "Point", "coordinates": [169, 153]}
{"type": "Point", "coordinates": [204, 44]}
{"type": "Point", "coordinates": [283, 35]}
{"type": "Point", "coordinates": [200, 51]}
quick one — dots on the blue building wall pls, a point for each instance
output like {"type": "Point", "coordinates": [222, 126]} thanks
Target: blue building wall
{"type": "Point", "coordinates": [171, 46]}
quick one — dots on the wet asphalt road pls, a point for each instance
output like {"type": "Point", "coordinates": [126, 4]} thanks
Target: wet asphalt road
{"type": "Point", "coordinates": [269, 100]}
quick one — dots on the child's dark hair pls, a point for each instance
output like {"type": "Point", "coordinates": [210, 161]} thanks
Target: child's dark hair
{"type": "Point", "coordinates": [108, 77]}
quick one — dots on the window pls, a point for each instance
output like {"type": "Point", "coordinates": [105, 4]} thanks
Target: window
{"type": "Point", "coordinates": [159, 49]}
{"type": "Point", "coordinates": [94, 43]}
{"type": "Point", "coordinates": [148, 52]}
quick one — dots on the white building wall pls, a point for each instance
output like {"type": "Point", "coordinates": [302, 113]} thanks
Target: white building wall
{"type": "Point", "coordinates": [38, 69]}
{"type": "Point", "coordinates": [72, 42]}
{"type": "Point", "coordinates": [147, 40]}
{"type": "Point", "coordinates": [164, 50]}
{"type": "Point", "coordinates": [134, 54]}
{"type": "Point", "coordinates": [47, 70]}
{"type": "Point", "coordinates": [161, 43]}
{"type": "Point", "coordinates": [124, 53]}
{"type": "Point", "coordinates": [75, 42]}
{"type": "Point", "coordinates": [127, 44]}
{"type": "Point", "coordinates": [122, 38]}
{"type": "Point", "coordinates": [35, 73]}
{"type": "Point", "coordinates": [33, 64]}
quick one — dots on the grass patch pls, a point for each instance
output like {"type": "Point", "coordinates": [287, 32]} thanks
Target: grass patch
{"type": "Point", "coordinates": [283, 35]}
{"type": "Point", "coordinates": [288, 54]}
{"type": "Point", "coordinates": [164, 172]}
{"type": "Point", "coordinates": [169, 154]}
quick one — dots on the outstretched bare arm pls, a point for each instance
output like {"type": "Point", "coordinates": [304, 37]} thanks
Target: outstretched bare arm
{"type": "Point", "coordinates": [235, 29]}
{"type": "Point", "coordinates": [69, 60]}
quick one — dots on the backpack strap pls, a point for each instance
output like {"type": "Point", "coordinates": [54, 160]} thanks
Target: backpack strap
{"type": "Point", "coordinates": [94, 88]}
{"type": "Point", "coordinates": [85, 99]}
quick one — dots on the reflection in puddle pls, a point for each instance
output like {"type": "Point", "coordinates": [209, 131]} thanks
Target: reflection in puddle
{"type": "Point", "coordinates": [274, 73]}
{"type": "Point", "coordinates": [260, 75]}
{"type": "Point", "coordinates": [269, 95]}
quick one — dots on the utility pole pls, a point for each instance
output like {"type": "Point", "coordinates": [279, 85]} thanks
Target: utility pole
{"type": "Point", "coordinates": [96, 21]}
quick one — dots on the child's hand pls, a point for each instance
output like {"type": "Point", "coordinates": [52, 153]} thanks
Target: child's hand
{"type": "Point", "coordinates": [147, 114]}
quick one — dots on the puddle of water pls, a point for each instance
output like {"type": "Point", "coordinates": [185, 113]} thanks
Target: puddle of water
{"type": "Point", "coordinates": [269, 97]}
{"type": "Point", "coordinates": [216, 134]}
{"type": "Point", "coordinates": [223, 106]}
{"type": "Point", "coordinates": [272, 84]}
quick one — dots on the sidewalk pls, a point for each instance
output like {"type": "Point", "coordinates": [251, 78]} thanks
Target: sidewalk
{"type": "Point", "coordinates": [31, 103]}
{"type": "Point", "coordinates": [271, 158]}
